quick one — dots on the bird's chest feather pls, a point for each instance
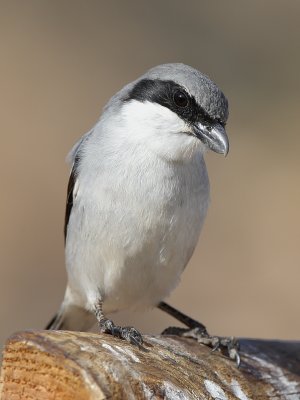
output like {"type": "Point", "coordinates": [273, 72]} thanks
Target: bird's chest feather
{"type": "Point", "coordinates": [135, 233]}
{"type": "Point", "coordinates": [159, 209]}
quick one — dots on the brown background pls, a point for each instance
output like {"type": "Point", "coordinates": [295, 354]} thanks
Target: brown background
{"type": "Point", "coordinates": [60, 61]}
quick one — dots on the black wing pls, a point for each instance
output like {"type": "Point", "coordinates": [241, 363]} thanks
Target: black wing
{"type": "Point", "coordinates": [70, 194]}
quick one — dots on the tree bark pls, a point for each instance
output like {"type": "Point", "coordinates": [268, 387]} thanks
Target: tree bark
{"type": "Point", "coordinates": [50, 365]}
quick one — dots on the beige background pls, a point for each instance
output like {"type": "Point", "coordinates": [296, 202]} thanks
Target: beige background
{"type": "Point", "coordinates": [60, 61]}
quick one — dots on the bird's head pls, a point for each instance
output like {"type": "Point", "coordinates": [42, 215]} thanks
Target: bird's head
{"type": "Point", "coordinates": [175, 110]}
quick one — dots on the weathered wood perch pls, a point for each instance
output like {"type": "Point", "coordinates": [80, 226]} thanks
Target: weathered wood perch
{"type": "Point", "coordinates": [79, 366]}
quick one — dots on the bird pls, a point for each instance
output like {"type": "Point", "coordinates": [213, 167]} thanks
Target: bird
{"type": "Point", "coordinates": [137, 197]}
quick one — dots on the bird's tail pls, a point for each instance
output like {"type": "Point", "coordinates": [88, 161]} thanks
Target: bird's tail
{"type": "Point", "coordinates": [71, 317]}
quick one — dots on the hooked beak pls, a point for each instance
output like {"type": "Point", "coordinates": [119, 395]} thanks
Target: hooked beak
{"type": "Point", "coordinates": [214, 137]}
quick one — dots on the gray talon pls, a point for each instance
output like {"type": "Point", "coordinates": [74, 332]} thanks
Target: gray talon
{"type": "Point", "coordinates": [127, 333]}
{"type": "Point", "coordinates": [229, 344]}
{"type": "Point", "coordinates": [131, 335]}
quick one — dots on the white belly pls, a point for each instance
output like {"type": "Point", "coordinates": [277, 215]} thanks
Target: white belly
{"type": "Point", "coordinates": [128, 242]}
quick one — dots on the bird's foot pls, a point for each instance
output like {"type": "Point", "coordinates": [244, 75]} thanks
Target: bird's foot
{"type": "Point", "coordinates": [228, 344]}
{"type": "Point", "coordinates": [127, 332]}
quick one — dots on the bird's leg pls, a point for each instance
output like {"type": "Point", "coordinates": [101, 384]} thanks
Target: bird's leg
{"type": "Point", "coordinates": [186, 320]}
{"type": "Point", "coordinates": [197, 331]}
{"type": "Point", "coordinates": [107, 326]}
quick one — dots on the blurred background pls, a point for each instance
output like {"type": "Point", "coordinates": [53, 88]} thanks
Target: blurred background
{"type": "Point", "coordinates": [61, 60]}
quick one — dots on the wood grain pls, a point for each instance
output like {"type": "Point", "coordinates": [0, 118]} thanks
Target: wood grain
{"type": "Point", "coordinates": [54, 365]}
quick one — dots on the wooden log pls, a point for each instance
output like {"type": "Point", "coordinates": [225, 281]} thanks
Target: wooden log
{"type": "Point", "coordinates": [49, 365]}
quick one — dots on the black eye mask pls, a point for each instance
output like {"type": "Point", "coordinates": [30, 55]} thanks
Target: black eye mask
{"type": "Point", "coordinates": [173, 96]}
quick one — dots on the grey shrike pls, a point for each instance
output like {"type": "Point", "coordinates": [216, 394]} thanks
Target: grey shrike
{"type": "Point", "coordinates": [137, 198]}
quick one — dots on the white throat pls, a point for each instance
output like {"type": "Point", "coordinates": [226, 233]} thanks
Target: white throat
{"type": "Point", "coordinates": [157, 129]}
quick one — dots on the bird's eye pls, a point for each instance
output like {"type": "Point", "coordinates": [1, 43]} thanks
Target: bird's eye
{"type": "Point", "coordinates": [180, 99]}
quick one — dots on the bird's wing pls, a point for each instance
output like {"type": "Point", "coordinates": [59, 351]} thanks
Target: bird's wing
{"type": "Point", "coordinates": [71, 193]}
{"type": "Point", "coordinates": [74, 151]}
{"type": "Point", "coordinates": [73, 158]}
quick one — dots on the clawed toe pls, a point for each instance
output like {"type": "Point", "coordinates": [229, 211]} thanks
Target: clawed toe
{"type": "Point", "coordinates": [107, 326]}
{"type": "Point", "coordinates": [131, 335]}
{"type": "Point", "coordinates": [229, 344]}
{"type": "Point", "coordinates": [127, 333]}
